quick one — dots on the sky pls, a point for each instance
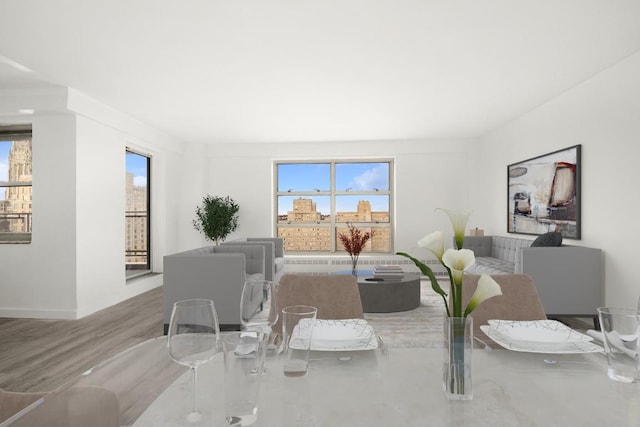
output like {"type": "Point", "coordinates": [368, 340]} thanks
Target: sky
{"type": "Point", "coordinates": [137, 165]}
{"type": "Point", "coordinates": [355, 176]}
{"type": "Point", "coordinates": [5, 146]}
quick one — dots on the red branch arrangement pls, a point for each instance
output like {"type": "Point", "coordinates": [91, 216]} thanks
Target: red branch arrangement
{"type": "Point", "coordinates": [354, 242]}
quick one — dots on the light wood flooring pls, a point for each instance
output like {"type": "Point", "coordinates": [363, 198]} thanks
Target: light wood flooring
{"type": "Point", "coordinates": [41, 355]}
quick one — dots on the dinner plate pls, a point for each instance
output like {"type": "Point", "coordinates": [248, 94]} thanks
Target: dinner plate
{"type": "Point", "coordinates": [341, 335]}
{"type": "Point", "coordinates": [540, 331]}
{"type": "Point", "coordinates": [539, 336]}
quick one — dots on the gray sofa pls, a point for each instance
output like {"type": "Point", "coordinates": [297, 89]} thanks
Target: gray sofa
{"type": "Point", "coordinates": [213, 272]}
{"type": "Point", "coordinates": [274, 254]}
{"type": "Point", "coordinates": [569, 279]}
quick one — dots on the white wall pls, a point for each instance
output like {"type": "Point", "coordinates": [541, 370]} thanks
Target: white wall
{"type": "Point", "coordinates": [428, 175]}
{"type": "Point", "coordinates": [38, 279]}
{"type": "Point", "coordinates": [75, 263]}
{"type": "Point", "coordinates": [602, 114]}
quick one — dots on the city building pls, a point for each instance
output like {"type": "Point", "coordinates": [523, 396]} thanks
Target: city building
{"type": "Point", "coordinates": [311, 238]}
{"type": "Point", "coordinates": [15, 209]}
{"type": "Point", "coordinates": [136, 224]}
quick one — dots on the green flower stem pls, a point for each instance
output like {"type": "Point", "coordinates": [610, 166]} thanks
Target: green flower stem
{"type": "Point", "coordinates": [434, 282]}
{"type": "Point", "coordinates": [457, 355]}
{"type": "Point", "coordinates": [454, 293]}
{"type": "Point", "coordinates": [457, 310]}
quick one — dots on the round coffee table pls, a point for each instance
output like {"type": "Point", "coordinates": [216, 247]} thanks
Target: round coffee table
{"type": "Point", "coordinates": [387, 296]}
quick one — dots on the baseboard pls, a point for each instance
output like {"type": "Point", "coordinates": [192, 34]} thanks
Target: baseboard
{"type": "Point", "coordinates": [28, 313]}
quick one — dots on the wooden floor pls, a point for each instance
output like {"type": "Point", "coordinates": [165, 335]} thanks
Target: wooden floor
{"type": "Point", "coordinates": [41, 355]}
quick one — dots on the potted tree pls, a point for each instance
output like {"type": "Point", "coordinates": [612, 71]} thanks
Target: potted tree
{"type": "Point", "coordinates": [216, 217]}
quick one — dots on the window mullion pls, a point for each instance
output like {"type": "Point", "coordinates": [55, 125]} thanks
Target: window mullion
{"type": "Point", "coordinates": [332, 224]}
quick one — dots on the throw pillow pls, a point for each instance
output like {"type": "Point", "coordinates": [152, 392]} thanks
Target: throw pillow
{"type": "Point", "coordinates": [548, 239]}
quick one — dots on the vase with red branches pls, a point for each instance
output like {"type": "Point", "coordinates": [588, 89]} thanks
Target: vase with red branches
{"type": "Point", "coordinates": [354, 242]}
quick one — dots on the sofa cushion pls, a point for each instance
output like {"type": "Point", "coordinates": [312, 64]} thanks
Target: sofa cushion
{"type": "Point", "coordinates": [490, 265]}
{"type": "Point", "coordinates": [548, 239]}
{"type": "Point", "coordinates": [506, 248]}
{"type": "Point", "coordinates": [254, 277]}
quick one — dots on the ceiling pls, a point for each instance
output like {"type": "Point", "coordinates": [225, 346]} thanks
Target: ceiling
{"type": "Point", "coordinates": [215, 71]}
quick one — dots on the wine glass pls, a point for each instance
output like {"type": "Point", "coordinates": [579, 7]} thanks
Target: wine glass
{"type": "Point", "coordinates": [193, 339]}
{"type": "Point", "coordinates": [259, 308]}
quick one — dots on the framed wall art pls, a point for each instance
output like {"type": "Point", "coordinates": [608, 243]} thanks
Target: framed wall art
{"type": "Point", "coordinates": [543, 194]}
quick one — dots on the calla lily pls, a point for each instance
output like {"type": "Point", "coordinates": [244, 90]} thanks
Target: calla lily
{"type": "Point", "coordinates": [487, 288]}
{"type": "Point", "coordinates": [434, 242]}
{"type": "Point", "coordinates": [456, 262]}
{"type": "Point", "coordinates": [459, 222]}
{"type": "Point", "coordinates": [458, 259]}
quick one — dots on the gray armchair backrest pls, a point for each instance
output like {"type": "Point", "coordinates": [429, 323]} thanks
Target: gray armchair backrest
{"type": "Point", "coordinates": [480, 245]}
{"type": "Point", "coordinates": [254, 256]}
{"type": "Point", "coordinates": [269, 250]}
{"type": "Point", "coordinates": [278, 243]}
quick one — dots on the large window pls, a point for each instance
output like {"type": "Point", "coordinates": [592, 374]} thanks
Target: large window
{"type": "Point", "coordinates": [15, 184]}
{"type": "Point", "coordinates": [316, 200]}
{"type": "Point", "coordinates": [138, 241]}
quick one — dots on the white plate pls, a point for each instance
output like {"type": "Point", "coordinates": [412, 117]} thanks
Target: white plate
{"type": "Point", "coordinates": [555, 338]}
{"type": "Point", "coordinates": [341, 335]}
{"type": "Point", "coordinates": [540, 331]}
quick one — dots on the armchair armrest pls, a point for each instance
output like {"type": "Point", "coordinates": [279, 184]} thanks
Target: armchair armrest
{"type": "Point", "coordinates": [218, 275]}
{"type": "Point", "coordinates": [569, 278]}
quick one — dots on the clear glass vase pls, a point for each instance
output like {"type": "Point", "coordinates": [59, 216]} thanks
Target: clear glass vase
{"type": "Point", "coordinates": [458, 346]}
{"type": "Point", "coordinates": [354, 267]}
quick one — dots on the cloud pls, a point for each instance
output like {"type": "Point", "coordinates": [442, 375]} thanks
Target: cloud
{"type": "Point", "coordinates": [140, 181]}
{"type": "Point", "coordinates": [4, 171]}
{"type": "Point", "coordinates": [372, 178]}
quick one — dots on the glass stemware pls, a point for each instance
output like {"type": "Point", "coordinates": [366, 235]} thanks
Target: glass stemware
{"type": "Point", "coordinates": [193, 339]}
{"type": "Point", "coordinates": [259, 308]}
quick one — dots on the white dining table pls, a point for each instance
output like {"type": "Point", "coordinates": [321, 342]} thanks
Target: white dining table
{"type": "Point", "coordinates": [383, 387]}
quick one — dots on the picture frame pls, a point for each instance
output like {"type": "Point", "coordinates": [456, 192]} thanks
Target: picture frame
{"type": "Point", "coordinates": [543, 194]}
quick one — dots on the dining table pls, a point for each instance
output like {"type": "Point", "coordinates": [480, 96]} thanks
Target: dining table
{"type": "Point", "coordinates": [385, 386]}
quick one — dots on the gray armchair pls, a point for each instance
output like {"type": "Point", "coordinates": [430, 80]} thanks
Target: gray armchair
{"type": "Point", "coordinates": [274, 254]}
{"type": "Point", "coordinates": [215, 272]}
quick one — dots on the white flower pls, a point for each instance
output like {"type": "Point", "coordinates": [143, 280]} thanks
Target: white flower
{"type": "Point", "coordinates": [434, 242]}
{"type": "Point", "coordinates": [459, 222]}
{"type": "Point", "coordinates": [487, 288]}
{"type": "Point", "coordinates": [458, 259]}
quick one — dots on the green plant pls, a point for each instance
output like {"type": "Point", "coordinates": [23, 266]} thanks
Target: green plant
{"type": "Point", "coordinates": [216, 217]}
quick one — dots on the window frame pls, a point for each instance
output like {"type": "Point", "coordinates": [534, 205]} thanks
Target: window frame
{"type": "Point", "coordinates": [333, 194]}
{"type": "Point", "coordinates": [12, 133]}
{"type": "Point", "coordinates": [130, 269]}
